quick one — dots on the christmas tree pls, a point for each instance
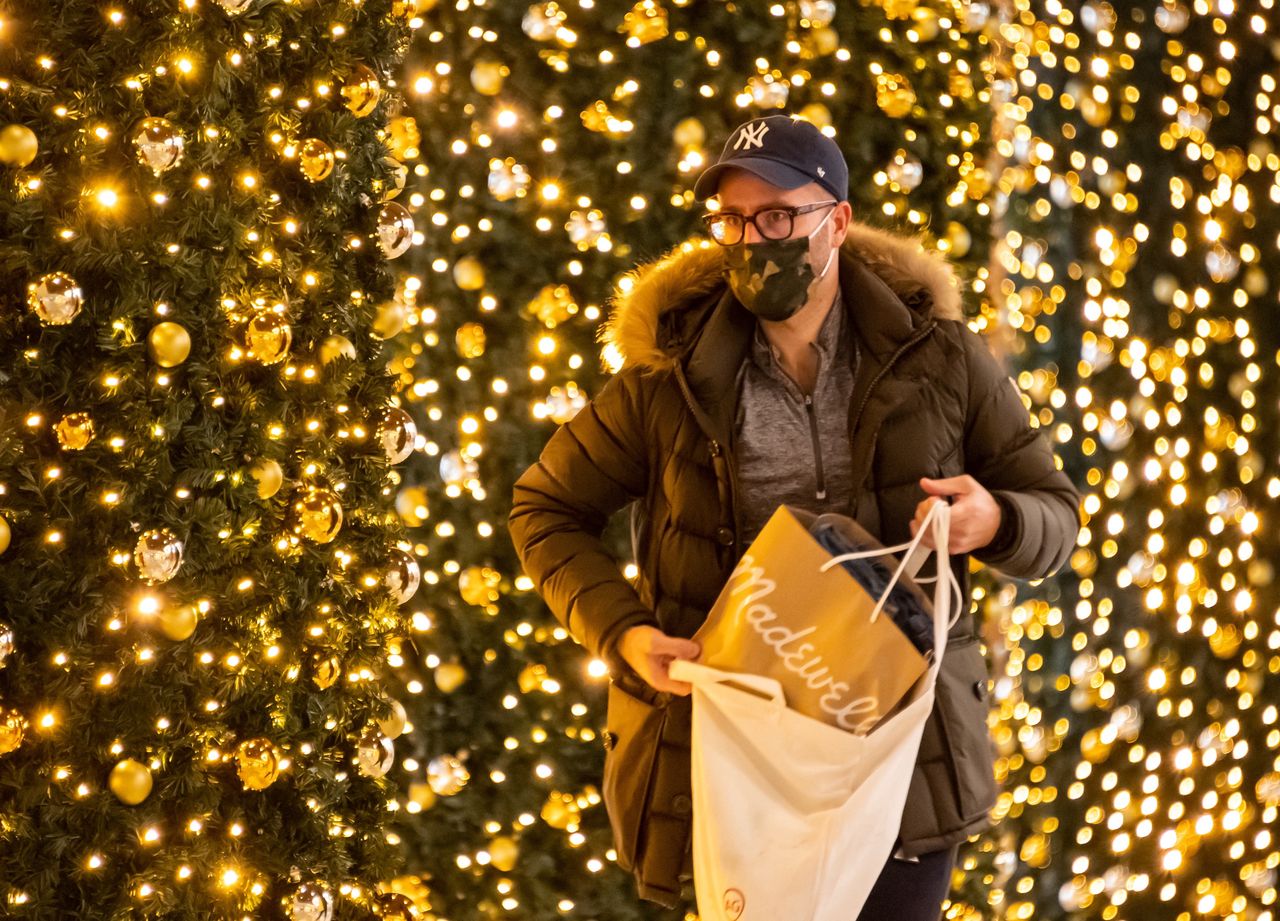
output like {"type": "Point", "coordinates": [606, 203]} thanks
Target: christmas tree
{"type": "Point", "coordinates": [556, 147]}
{"type": "Point", "coordinates": [1138, 726]}
{"type": "Point", "coordinates": [199, 567]}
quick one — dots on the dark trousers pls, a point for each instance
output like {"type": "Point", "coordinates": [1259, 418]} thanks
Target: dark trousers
{"type": "Point", "coordinates": [908, 891]}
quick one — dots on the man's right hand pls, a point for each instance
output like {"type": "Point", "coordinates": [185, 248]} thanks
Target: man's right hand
{"type": "Point", "coordinates": [650, 652]}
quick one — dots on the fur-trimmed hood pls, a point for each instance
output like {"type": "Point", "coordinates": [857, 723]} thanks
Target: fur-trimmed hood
{"type": "Point", "coordinates": [922, 279]}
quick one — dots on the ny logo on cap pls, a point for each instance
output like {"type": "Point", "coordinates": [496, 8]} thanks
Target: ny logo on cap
{"type": "Point", "coordinates": [751, 136]}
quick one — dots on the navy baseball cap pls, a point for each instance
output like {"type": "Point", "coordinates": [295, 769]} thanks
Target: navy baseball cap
{"type": "Point", "coordinates": [782, 150]}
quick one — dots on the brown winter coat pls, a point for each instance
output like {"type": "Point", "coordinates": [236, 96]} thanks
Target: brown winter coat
{"type": "Point", "coordinates": [929, 401]}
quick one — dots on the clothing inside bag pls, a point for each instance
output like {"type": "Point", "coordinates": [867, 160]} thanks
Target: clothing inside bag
{"type": "Point", "coordinates": [906, 608]}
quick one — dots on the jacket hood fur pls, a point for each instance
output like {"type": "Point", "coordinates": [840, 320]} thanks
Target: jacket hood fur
{"type": "Point", "coordinates": [923, 279]}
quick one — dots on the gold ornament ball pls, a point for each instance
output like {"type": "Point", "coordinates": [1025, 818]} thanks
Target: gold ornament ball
{"type": "Point", "coordinates": [560, 811]}
{"type": "Point", "coordinates": [395, 230]}
{"type": "Point", "coordinates": [397, 434]}
{"type": "Point", "coordinates": [55, 298]}
{"type": "Point", "coordinates": [392, 906]}
{"type": "Point", "coordinates": [958, 239]}
{"type": "Point", "coordinates": [422, 795]}
{"type": "Point", "coordinates": [308, 902]}
{"type": "Point", "coordinates": [5, 535]}
{"type": "Point", "coordinates": [130, 781]}
{"type": "Point", "coordinates": [449, 676]}
{"type": "Point", "coordinates": [74, 431]}
{"type": "Point", "coordinates": [689, 132]}
{"type": "Point", "coordinates": [412, 505]}
{"type": "Point", "coordinates": [393, 724]}
{"type": "Point", "coordinates": [816, 114]}
{"type": "Point", "coordinates": [318, 514]}
{"type": "Point", "coordinates": [478, 585]}
{"type": "Point", "coordinates": [324, 670]}
{"type": "Point", "coordinates": [179, 621]}
{"type": "Point", "coordinates": [397, 175]}
{"type": "Point", "coordinates": [362, 91]}
{"type": "Point", "coordinates": [18, 145]}
{"type": "Point", "coordinates": [12, 729]}
{"type": "Point", "coordinates": [257, 763]}
{"type": "Point", "coordinates": [375, 754]}
{"type": "Point", "coordinates": [390, 319]}
{"type": "Point", "coordinates": [468, 272]}
{"type": "Point", "coordinates": [503, 852]}
{"type": "Point", "coordinates": [403, 137]}
{"type": "Point", "coordinates": [335, 347]}
{"type": "Point", "coordinates": [268, 337]}
{"type": "Point", "coordinates": [158, 144]}
{"type": "Point", "coordinates": [158, 555]}
{"type": "Point", "coordinates": [315, 159]}
{"type": "Point", "coordinates": [471, 340]}
{"type": "Point", "coordinates": [269, 476]}
{"type": "Point", "coordinates": [169, 344]}
{"type": "Point", "coordinates": [447, 775]}
{"type": "Point", "coordinates": [488, 76]}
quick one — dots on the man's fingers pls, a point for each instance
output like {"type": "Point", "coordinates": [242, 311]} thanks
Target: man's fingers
{"type": "Point", "coordinates": [674, 646]}
{"type": "Point", "coordinates": [951, 486]}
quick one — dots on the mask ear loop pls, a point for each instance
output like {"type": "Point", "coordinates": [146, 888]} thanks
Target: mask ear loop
{"type": "Point", "coordinates": [831, 255]}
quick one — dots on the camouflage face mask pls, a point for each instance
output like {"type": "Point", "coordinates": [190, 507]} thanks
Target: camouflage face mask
{"type": "Point", "coordinates": [772, 277]}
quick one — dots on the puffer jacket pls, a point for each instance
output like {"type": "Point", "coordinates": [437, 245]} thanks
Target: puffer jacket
{"type": "Point", "coordinates": [929, 401]}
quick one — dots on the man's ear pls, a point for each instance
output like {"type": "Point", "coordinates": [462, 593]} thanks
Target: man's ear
{"type": "Point", "coordinates": [841, 218]}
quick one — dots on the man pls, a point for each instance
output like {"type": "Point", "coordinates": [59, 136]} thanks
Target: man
{"type": "Point", "coordinates": [802, 358]}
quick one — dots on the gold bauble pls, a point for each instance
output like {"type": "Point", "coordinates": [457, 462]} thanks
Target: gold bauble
{"type": "Point", "coordinates": [392, 906]}
{"type": "Point", "coordinates": [447, 775]}
{"type": "Point", "coordinates": [375, 754]}
{"type": "Point", "coordinates": [158, 555]}
{"type": "Point", "coordinates": [894, 95]}
{"type": "Point", "coordinates": [553, 305]}
{"type": "Point", "coordinates": [169, 344]}
{"type": "Point", "coordinates": [179, 621]}
{"type": "Point", "coordinates": [268, 337]}
{"type": "Point", "coordinates": [826, 41]}
{"type": "Point", "coordinates": [324, 670]}
{"type": "Point", "coordinates": [470, 339]}
{"type": "Point", "coordinates": [645, 22]}
{"type": "Point", "coordinates": [449, 676]}
{"type": "Point", "coordinates": [361, 91]}
{"type": "Point", "coordinates": [390, 319]}
{"type": "Point", "coordinates": [74, 431]}
{"type": "Point", "coordinates": [468, 273]}
{"type": "Point", "coordinates": [689, 132]}
{"type": "Point", "coordinates": [317, 514]}
{"type": "Point", "coordinates": [5, 535]}
{"type": "Point", "coordinates": [958, 238]}
{"type": "Point", "coordinates": [560, 811]}
{"type": "Point", "coordinates": [158, 144]}
{"type": "Point", "coordinates": [397, 434]}
{"type": "Point", "coordinates": [816, 114]}
{"type": "Point", "coordinates": [403, 138]}
{"type": "Point", "coordinates": [257, 763]}
{"type": "Point", "coordinates": [926, 23]}
{"type": "Point", "coordinates": [55, 298]}
{"type": "Point", "coordinates": [422, 794]}
{"type": "Point", "coordinates": [335, 347]}
{"type": "Point", "coordinates": [394, 182]}
{"type": "Point", "coordinates": [395, 230]}
{"type": "Point", "coordinates": [478, 585]}
{"type": "Point", "coordinates": [392, 725]}
{"type": "Point", "coordinates": [18, 145]}
{"type": "Point", "coordinates": [488, 76]}
{"type": "Point", "coordinates": [315, 159]}
{"type": "Point", "coordinates": [411, 504]}
{"type": "Point", "coordinates": [12, 728]}
{"type": "Point", "coordinates": [130, 781]}
{"type": "Point", "coordinates": [503, 852]}
{"type": "Point", "coordinates": [269, 475]}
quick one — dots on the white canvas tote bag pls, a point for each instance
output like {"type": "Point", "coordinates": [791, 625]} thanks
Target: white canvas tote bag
{"type": "Point", "coordinates": [793, 819]}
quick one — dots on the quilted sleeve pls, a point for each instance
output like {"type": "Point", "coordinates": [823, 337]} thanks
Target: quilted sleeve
{"type": "Point", "coordinates": [1016, 464]}
{"type": "Point", "coordinates": [591, 467]}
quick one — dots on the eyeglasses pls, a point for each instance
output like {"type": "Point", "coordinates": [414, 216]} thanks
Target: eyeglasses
{"type": "Point", "coordinates": [727, 228]}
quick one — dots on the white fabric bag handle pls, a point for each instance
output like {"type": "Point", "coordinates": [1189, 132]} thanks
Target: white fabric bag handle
{"type": "Point", "coordinates": [939, 517]}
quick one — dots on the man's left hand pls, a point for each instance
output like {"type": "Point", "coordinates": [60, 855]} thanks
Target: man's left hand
{"type": "Point", "coordinates": [975, 514]}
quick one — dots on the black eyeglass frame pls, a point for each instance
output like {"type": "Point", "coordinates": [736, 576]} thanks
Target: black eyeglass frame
{"type": "Point", "coordinates": [792, 213]}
